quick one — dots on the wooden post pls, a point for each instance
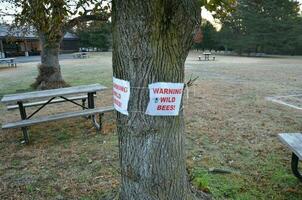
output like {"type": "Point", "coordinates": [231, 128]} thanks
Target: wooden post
{"type": "Point", "coordinates": [294, 165]}
{"type": "Point", "coordinates": [23, 117]}
{"type": "Point", "coordinates": [1, 49]}
{"type": "Point", "coordinates": [25, 48]}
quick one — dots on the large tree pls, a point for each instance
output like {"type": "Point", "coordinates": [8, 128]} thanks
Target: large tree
{"type": "Point", "coordinates": [51, 19]}
{"type": "Point", "coordinates": [151, 40]}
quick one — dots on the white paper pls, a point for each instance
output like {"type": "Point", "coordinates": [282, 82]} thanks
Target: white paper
{"type": "Point", "coordinates": [121, 95]}
{"type": "Point", "coordinates": [165, 99]}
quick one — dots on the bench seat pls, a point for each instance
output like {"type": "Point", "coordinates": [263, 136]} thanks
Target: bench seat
{"type": "Point", "coordinates": [29, 122]}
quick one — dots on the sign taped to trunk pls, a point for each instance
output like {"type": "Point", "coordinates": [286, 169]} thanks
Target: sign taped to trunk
{"type": "Point", "coordinates": [165, 99]}
{"type": "Point", "coordinates": [121, 94]}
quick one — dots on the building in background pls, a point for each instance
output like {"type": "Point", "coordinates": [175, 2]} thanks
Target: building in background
{"type": "Point", "coordinates": [14, 42]}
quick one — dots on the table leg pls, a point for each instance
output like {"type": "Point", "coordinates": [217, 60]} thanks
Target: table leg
{"type": "Point", "coordinates": [23, 117]}
{"type": "Point", "coordinates": [91, 106]}
{"type": "Point", "coordinates": [83, 103]}
{"type": "Point", "coordinates": [295, 163]}
{"type": "Point", "coordinates": [91, 100]}
{"type": "Point", "coordinates": [101, 121]}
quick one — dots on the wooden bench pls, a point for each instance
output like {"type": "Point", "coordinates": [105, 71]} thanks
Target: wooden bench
{"type": "Point", "coordinates": [10, 61]}
{"type": "Point", "coordinates": [29, 99]}
{"type": "Point", "coordinates": [66, 115]}
{"type": "Point", "coordinates": [294, 142]}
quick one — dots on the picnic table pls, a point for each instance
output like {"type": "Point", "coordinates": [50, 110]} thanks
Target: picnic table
{"type": "Point", "coordinates": [292, 140]}
{"type": "Point", "coordinates": [80, 55]}
{"type": "Point", "coordinates": [206, 56]}
{"type": "Point", "coordinates": [10, 61]}
{"type": "Point", "coordinates": [22, 101]}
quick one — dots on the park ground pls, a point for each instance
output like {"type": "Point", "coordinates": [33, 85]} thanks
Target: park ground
{"type": "Point", "coordinates": [229, 126]}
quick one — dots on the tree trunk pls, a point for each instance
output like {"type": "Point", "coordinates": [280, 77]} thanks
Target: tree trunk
{"type": "Point", "coordinates": [151, 40]}
{"type": "Point", "coordinates": [49, 76]}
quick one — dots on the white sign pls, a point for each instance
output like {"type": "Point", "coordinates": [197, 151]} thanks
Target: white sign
{"type": "Point", "coordinates": [121, 94]}
{"type": "Point", "coordinates": [165, 99]}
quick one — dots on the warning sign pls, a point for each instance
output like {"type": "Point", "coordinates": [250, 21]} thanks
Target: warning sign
{"type": "Point", "coordinates": [165, 99]}
{"type": "Point", "coordinates": [121, 94]}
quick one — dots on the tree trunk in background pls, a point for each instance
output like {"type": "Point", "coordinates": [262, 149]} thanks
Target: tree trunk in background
{"type": "Point", "coordinates": [49, 76]}
{"type": "Point", "coordinates": [151, 40]}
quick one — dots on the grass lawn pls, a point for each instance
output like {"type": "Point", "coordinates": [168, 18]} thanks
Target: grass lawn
{"type": "Point", "coordinates": [229, 126]}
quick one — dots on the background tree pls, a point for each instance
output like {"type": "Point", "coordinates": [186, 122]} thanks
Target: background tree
{"type": "Point", "coordinates": [95, 35]}
{"type": "Point", "coordinates": [51, 19]}
{"type": "Point", "coordinates": [209, 41]}
{"type": "Point", "coordinates": [269, 26]}
{"type": "Point", "coordinates": [151, 40]}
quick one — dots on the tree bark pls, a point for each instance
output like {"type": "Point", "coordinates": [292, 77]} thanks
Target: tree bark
{"type": "Point", "coordinates": [151, 40]}
{"type": "Point", "coordinates": [49, 70]}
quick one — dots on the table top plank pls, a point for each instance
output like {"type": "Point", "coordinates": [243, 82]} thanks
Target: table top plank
{"type": "Point", "coordinates": [14, 98]}
{"type": "Point", "coordinates": [292, 141]}
{"type": "Point", "coordinates": [6, 59]}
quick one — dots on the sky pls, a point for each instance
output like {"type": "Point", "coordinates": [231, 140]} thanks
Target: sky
{"type": "Point", "coordinates": [205, 15]}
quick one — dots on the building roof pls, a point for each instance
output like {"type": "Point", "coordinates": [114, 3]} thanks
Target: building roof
{"type": "Point", "coordinates": [30, 34]}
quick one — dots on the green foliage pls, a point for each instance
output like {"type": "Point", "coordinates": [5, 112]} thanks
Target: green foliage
{"type": "Point", "coordinates": [62, 136]}
{"type": "Point", "coordinates": [95, 35]}
{"type": "Point", "coordinates": [270, 26]}
{"type": "Point", "coordinates": [202, 182]}
{"type": "Point", "coordinates": [220, 186]}
{"type": "Point", "coordinates": [209, 40]}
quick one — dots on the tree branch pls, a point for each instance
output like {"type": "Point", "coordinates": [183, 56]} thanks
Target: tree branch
{"type": "Point", "coordinates": [85, 18]}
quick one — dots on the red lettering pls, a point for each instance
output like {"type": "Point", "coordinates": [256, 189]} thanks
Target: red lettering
{"type": "Point", "coordinates": [116, 94]}
{"type": "Point", "coordinates": [120, 88]}
{"type": "Point", "coordinates": [167, 99]}
{"type": "Point", "coordinates": [155, 90]}
{"type": "Point", "coordinates": [166, 107]}
{"type": "Point", "coordinates": [166, 91]}
{"type": "Point", "coordinates": [117, 102]}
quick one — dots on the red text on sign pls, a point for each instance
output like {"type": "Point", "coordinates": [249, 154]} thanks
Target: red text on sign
{"type": "Point", "coordinates": [120, 88]}
{"type": "Point", "coordinates": [166, 91]}
{"type": "Point", "coordinates": [117, 102]}
{"type": "Point", "coordinates": [167, 99]}
{"type": "Point", "coordinates": [116, 94]}
{"type": "Point", "coordinates": [165, 107]}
